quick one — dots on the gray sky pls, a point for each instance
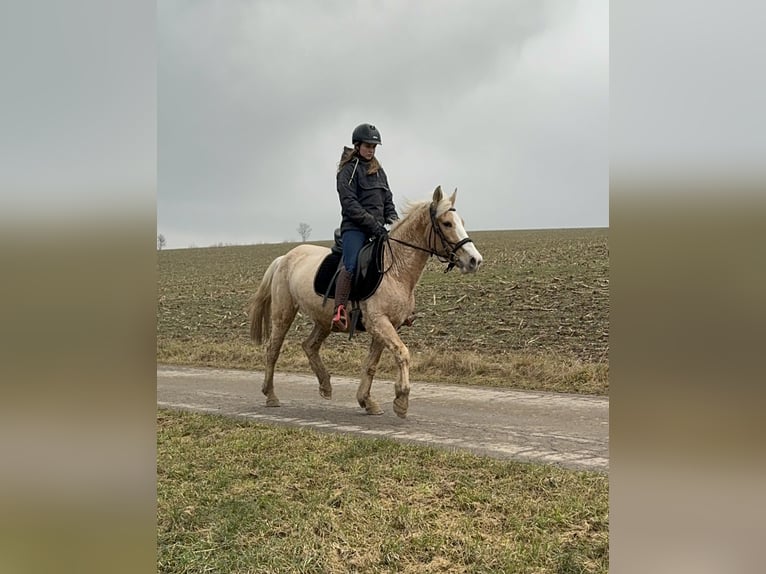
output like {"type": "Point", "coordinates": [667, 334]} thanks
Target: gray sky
{"type": "Point", "coordinates": [506, 100]}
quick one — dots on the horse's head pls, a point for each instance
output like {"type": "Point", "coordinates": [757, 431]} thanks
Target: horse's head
{"type": "Point", "coordinates": [449, 227]}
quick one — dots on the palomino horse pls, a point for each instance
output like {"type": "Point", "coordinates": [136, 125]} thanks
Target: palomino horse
{"type": "Point", "coordinates": [427, 228]}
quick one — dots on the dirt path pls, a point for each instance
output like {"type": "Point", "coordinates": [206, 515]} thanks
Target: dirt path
{"type": "Point", "coordinates": [567, 430]}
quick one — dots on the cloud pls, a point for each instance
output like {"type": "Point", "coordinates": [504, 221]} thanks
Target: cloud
{"type": "Point", "coordinates": [505, 100]}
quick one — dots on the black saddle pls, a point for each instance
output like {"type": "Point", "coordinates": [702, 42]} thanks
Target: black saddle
{"type": "Point", "coordinates": [366, 279]}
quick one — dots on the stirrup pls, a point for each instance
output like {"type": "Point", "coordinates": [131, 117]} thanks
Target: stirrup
{"type": "Point", "coordinates": [340, 320]}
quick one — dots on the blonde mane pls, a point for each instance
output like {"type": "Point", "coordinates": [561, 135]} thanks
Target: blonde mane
{"type": "Point", "coordinates": [411, 207]}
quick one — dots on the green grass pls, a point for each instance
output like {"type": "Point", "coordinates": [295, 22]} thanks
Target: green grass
{"type": "Point", "coordinates": [536, 316]}
{"type": "Point", "coordinates": [236, 496]}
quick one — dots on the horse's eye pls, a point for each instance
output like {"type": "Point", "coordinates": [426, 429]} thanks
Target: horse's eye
{"type": "Point", "coordinates": [447, 223]}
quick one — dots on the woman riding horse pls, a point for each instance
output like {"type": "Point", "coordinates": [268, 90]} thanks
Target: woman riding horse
{"type": "Point", "coordinates": [366, 205]}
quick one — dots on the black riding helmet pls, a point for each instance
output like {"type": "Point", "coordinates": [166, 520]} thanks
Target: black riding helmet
{"type": "Point", "coordinates": [366, 133]}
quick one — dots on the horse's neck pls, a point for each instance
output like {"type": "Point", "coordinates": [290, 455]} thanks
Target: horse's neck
{"type": "Point", "coordinates": [407, 264]}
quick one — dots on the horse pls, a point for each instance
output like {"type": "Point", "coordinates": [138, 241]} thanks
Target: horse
{"type": "Point", "coordinates": [427, 228]}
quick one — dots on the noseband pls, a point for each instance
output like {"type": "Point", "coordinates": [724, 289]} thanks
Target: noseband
{"type": "Point", "coordinates": [449, 249]}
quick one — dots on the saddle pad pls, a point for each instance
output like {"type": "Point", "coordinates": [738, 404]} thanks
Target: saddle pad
{"type": "Point", "coordinates": [369, 273]}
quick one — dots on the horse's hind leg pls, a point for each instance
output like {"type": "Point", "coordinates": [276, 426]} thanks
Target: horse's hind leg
{"type": "Point", "coordinates": [363, 391]}
{"type": "Point", "coordinates": [311, 346]}
{"type": "Point", "coordinates": [282, 315]}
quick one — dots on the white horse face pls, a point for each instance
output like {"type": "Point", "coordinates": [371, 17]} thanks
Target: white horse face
{"type": "Point", "coordinates": [452, 229]}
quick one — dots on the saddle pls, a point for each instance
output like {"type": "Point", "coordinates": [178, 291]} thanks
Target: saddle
{"type": "Point", "coordinates": [366, 279]}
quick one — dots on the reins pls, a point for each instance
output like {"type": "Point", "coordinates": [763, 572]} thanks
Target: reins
{"type": "Point", "coordinates": [450, 255]}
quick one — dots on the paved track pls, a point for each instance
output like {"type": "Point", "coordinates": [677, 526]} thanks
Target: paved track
{"type": "Point", "coordinates": [567, 430]}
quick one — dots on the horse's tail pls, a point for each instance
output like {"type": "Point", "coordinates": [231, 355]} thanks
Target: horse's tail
{"type": "Point", "coordinates": [259, 311]}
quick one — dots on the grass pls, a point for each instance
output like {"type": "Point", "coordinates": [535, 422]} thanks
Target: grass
{"type": "Point", "coordinates": [536, 316]}
{"type": "Point", "coordinates": [236, 496]}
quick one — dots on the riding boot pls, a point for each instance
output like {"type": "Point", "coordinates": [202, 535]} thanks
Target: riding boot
{"type": "Point", "coordinates": [342, 291]}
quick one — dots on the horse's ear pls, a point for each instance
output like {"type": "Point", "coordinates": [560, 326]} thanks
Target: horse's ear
{"type": "Point", "coordinates": [438, 195]}
{"type": "Point", "coordinates": [452, 197]}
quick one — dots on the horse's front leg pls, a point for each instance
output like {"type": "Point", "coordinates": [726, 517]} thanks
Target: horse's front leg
{"type": "Point", "coordinates": [363, 392]}
{"type": "Point", "coordinates": [382, 329]}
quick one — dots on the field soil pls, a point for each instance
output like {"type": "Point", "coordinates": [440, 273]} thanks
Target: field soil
{"type": "Point", "coordinates": [535, 316]}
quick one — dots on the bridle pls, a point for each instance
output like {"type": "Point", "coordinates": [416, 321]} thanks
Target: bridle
{"type": "Point", "coordinates": [449, 249]}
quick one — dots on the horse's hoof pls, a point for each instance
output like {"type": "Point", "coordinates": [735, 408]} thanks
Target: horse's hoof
{"type": "Point", "coordinates": [401, 404]}
{"type": "Point", "coordinates": [325, 393]}
{"type": "Point", "coordinates": [272, 402]}
{"type": "Point", "coordinates": [374, 409]}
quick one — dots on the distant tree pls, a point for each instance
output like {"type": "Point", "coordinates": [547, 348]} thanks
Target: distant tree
{"type": "Point", "coordinates": [304, 230]}
{"type": "Point", "coordinates": [160, 241]}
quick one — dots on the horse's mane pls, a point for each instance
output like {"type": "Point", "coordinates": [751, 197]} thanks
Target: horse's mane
{"type": "Point", "coordinates": [412, 207]}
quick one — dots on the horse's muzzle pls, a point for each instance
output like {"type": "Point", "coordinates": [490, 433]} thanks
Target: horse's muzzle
{"type": "Point", "coordinates": [469, 262]}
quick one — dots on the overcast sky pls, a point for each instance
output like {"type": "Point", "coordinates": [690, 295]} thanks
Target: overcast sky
{"type": "Point", "coordinates": [508, 101]}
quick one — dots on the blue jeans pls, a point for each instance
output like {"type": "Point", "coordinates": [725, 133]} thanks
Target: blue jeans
{"type": "Point", "coordinates": [353, 240]}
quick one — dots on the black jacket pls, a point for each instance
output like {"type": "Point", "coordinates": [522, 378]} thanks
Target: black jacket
{"type": "Point", "coordinates": [366, 200]}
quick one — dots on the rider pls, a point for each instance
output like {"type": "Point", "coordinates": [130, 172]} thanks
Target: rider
{"type": "Point", "coordinates": [366, 206]}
